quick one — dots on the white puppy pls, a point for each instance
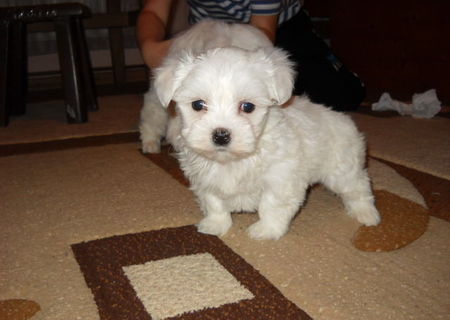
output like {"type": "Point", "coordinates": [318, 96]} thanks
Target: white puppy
{"type": "Point", "coordinates": [241, 149]}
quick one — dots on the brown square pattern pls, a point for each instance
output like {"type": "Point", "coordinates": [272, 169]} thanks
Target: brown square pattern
{"type": "Point", "coordinates": [102, 262]}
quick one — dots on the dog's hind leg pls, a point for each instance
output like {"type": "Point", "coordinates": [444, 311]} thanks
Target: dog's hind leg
{"type": "Point", "coordinates": [356, 193]}
{"type": "Point", "coordinates": [153, 123]}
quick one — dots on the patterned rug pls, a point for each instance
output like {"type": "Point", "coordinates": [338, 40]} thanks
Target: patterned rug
{"type": "Point", "coordinates": [93, 229]}
{"type": "Point", "coordinates": [177, 273]}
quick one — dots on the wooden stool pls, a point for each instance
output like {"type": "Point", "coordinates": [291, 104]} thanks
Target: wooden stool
{"type": "Point", "coordinates": [73, 53]}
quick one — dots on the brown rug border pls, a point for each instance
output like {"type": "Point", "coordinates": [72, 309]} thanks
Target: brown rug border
{"type": "Point", "coordinates": [434, 190]}
{"type": "Point", "coordinates": [70, 143]}
{"type": "Point", "coordinates": [101, 263]}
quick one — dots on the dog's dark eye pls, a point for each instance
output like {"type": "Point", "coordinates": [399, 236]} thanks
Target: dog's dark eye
{"type": "Point", "coordinates": [247, 107]}
{"type": "Point", "coordinates": [199, 105]}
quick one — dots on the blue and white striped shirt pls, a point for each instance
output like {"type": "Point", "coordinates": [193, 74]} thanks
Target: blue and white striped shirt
{"type": "Point", "coordinates": [241, 10]}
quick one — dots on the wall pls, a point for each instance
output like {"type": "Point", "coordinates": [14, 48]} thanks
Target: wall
{"type": "Point", "coordinates": [401, 46]}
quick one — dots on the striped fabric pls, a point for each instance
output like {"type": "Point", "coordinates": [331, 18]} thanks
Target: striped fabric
{"type": "Point", "coordinates": [241, 10]}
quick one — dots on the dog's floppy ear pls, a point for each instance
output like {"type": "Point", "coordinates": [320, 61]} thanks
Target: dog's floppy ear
{"type": "Point", "coordinates": [281, 74]}
{"type": "Point", "coordinates": [169, 77]}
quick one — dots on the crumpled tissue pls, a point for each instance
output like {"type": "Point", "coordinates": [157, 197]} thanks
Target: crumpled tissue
{"type": "Point", "coordinates": [424, 105]}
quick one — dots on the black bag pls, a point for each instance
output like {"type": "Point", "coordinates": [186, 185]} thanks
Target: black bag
{"type": "Point", "coordinates": [321, 75]}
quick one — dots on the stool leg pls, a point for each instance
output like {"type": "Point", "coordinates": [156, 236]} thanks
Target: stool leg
{"type": "Point", "coordinates": [18, 72]}
{"type": "Point", "coordinates": [69, 57]}
{"type": "Point", "coordinates": [116, 43]}
{"type": "Point", "coordinates": [86, 67]}
{"type": "Point", "coordinates": [4, 48]}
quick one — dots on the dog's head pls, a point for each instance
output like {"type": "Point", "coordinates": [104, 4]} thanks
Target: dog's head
{"type": "Point", "coordinates": [224, 96]}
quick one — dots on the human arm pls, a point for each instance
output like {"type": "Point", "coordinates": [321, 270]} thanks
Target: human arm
{"type": "Point", "coordinates": [267, 24]}
{"type": "Point", "coordinates": [151, 31]}
{"type": "Point", "coordinates": [264, 16]}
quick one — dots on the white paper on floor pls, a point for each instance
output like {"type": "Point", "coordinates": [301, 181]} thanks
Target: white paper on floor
{"type": "Point", "coordinates": [424, 105]}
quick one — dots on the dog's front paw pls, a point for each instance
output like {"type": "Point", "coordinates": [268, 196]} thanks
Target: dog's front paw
{"type": "Point", "coordinates": [265, 231]}
{"type": "Point", "coordinates": [216, 225]}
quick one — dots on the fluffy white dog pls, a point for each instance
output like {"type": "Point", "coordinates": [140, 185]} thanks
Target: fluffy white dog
{"type": "Point", "coordinates": [242, 140]}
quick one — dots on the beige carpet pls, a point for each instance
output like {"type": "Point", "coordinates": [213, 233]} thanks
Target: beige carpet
{"type": "Point", "coordinates": [52, 200]}
{"type": "Point", "coordinates": [401, 140]}
{"type": "Point", "coordinates": [56, 199]}
{"type": "Point", "coordinates": [409, 142]}
{"type": "Point", "coordinates": [46, 121]}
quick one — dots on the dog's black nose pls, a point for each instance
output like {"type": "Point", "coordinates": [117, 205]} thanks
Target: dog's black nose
{"type": "Point", "coordinates": [221, 137]}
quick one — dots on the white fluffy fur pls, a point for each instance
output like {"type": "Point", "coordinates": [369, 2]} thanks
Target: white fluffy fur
{"type": "Point", "coordinates": [274, 154]}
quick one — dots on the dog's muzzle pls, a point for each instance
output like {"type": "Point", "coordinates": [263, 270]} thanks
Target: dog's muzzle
{"type": "Point", "coordinates": [221, 137]}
